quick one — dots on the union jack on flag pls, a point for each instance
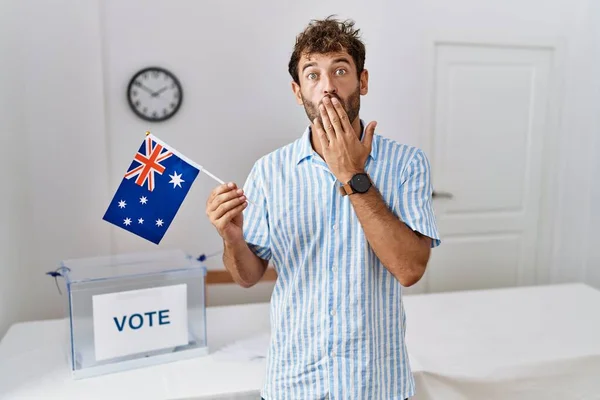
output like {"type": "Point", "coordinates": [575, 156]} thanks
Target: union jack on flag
{"type": "Point", "coordinates": [147, 161]}
{"type": "Point", "coordinates": [152, 190]}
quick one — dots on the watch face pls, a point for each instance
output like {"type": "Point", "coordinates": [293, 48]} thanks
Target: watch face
{"type": "Point", "coordinates": [154, 94]}
{"type": "Point", "coordinates": [360, 183]}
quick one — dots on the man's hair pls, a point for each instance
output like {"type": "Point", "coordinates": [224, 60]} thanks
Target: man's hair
{"type": "Point", "coordinates": [327, 36]}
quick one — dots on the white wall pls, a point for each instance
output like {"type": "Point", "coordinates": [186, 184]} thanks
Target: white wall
{"type": "Point", "coordinates": [56, 169]}
{"type": "Point", "coordinates": [10, 167]}
{"type": "Point", "coordinates": [70, 61]}
{"type": "Point", "coordinates": [579, 130]}
{"type": "Point", "coordinates": [592, 255]}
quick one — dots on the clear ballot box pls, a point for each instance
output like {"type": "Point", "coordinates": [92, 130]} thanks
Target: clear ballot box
{"type": "Point", "coordinates": [133, 310]}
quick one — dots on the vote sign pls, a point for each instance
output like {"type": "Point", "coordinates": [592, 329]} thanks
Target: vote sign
{"type": "Point", "coordinates": [138, 321]}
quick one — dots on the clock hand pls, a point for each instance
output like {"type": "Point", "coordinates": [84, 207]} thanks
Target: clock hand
{"type": "Point", "coordinates": [156, 94]}
{"type": "Point", "coordinates": [147, 89]}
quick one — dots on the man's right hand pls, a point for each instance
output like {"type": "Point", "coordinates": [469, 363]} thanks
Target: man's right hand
{"type": "Point", "coordinates": [224, 209]}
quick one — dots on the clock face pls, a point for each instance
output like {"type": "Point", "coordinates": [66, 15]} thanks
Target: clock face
{"type": "Point", "coordinates": [154, 94]}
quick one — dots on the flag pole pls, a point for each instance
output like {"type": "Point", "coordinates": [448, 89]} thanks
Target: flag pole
{"type": "Point", "coordinates": [200, 167]}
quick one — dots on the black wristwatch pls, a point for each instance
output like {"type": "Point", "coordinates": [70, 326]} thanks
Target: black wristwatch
{"type": "Point", "coordinates": [360, 183]}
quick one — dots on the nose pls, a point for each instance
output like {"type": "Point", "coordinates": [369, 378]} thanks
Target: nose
{"type": "Point", "coordinates": [328, 86]}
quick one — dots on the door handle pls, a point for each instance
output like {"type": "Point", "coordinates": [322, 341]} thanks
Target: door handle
{"type": "Point", "coordinates": [444, 195]}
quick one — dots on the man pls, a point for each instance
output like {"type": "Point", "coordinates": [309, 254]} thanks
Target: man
{"type": "Point", "coordinates": [345, 218]}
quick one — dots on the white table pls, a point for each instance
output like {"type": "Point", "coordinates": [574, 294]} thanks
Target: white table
{"type": "Point", "coordinates": [520, 343]}
{"type": "Point", "coordinates": [34, 364]}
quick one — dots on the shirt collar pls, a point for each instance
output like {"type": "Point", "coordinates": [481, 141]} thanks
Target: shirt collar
{"type": "Point", "coordinates": [305, 151]}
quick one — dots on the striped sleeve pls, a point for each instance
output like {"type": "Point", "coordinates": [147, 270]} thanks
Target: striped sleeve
{"type": "Point", "coordinates": [416, 190]}
{"type": "Point", "coordinates": [256, 216]}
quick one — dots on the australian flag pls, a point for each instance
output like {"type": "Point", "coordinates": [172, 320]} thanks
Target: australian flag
{"type": "Point", "coordinates": [152, 190]}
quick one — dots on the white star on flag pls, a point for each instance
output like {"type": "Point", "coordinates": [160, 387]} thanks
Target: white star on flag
{"type": "Point", "coordinates": [143, 199]}
{"type": "Point", "coordinates": [140, 220]}
{"type": "Point", "coordinates": [159, 222]}
{"type": "Point", "coordinates": [122, 204]}
{"type": "Point", "coordinates": [176, 179]}
{"type": "Point", "coordinates": [127, 221]}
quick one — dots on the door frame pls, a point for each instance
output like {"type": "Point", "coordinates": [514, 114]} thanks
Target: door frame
{"type": "Point", "coordinates": [550, 213]}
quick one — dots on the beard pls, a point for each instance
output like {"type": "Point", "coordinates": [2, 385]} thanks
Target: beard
{"type": "Point", "coordinates": [351, 106]}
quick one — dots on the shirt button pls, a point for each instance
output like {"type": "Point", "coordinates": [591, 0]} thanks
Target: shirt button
{"type": "Point", "coordinates": [334, 269]}
{"type": "Point", "coordinates": [333, 312]}
{"type": "Point", "coordinates": [335, 227]}
{"type": "Point", "coordinates": [333, 354]}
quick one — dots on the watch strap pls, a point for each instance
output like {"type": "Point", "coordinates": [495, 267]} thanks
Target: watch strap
{"type": "Point", "coordinates": [346, 189]}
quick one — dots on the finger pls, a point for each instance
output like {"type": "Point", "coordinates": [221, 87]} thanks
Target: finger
{"type": "Point", "coordinates": [332, 113]}
{"type": "Point", "coordinates": [321, 133]}
{"type": "Point", "coordinates": [344, 120]}
{"type": "Point", "coordinates": [326, 123]}
{"type": "Point", "coordinates": [226, 187]}
{"type": "Point", "coordinates": [369, 132]}
{"type": "Point", "coordinates": [225, 207]}
{"type": "Point", "coordinates": [225, 197]}
{"type": "Point", "coordinates": [231, 214]}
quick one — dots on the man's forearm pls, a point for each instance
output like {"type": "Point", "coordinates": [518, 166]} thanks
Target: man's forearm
{"type": "Point", "coordinates": [245, 267]}
{"type": "Point", "coordinates": [402, 251]}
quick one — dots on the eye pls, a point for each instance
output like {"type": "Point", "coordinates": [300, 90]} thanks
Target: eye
{"type": "Point", "coordinates": [311, 76]}
{"type": "Point", "coordinates": [340, 71]}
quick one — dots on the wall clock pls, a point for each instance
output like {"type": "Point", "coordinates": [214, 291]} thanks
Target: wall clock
{"type": "Point", "coordinates": [154, 94]}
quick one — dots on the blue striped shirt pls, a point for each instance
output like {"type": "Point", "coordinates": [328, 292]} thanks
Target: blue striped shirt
{"type": "Point", "coordinates": [337, 316]}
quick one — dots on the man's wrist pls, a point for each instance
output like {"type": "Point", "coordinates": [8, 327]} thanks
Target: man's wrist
{"type": "Point", "coordinates": [233, 244]}
{"type": "Point", "coordinates": [360, 183]}
{"type": "Point", "coordinates": [347, 176]}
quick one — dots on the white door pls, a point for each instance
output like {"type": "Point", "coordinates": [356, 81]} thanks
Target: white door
{"type": "Point", "coordinates": [488, 128]}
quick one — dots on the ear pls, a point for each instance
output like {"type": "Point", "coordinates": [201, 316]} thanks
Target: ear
{"type": "Point", "coordinates": [297, 93]}
{"type": "Point", "coordinates": [364, 82]}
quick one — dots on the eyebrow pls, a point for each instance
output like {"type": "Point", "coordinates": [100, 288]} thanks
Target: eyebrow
{"type": "Point", "coordinates": [337, 60]}
{"type": "Point", "coordinates": [307, 65]}
{"type": "Point", "coordinates": [341, 59]}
